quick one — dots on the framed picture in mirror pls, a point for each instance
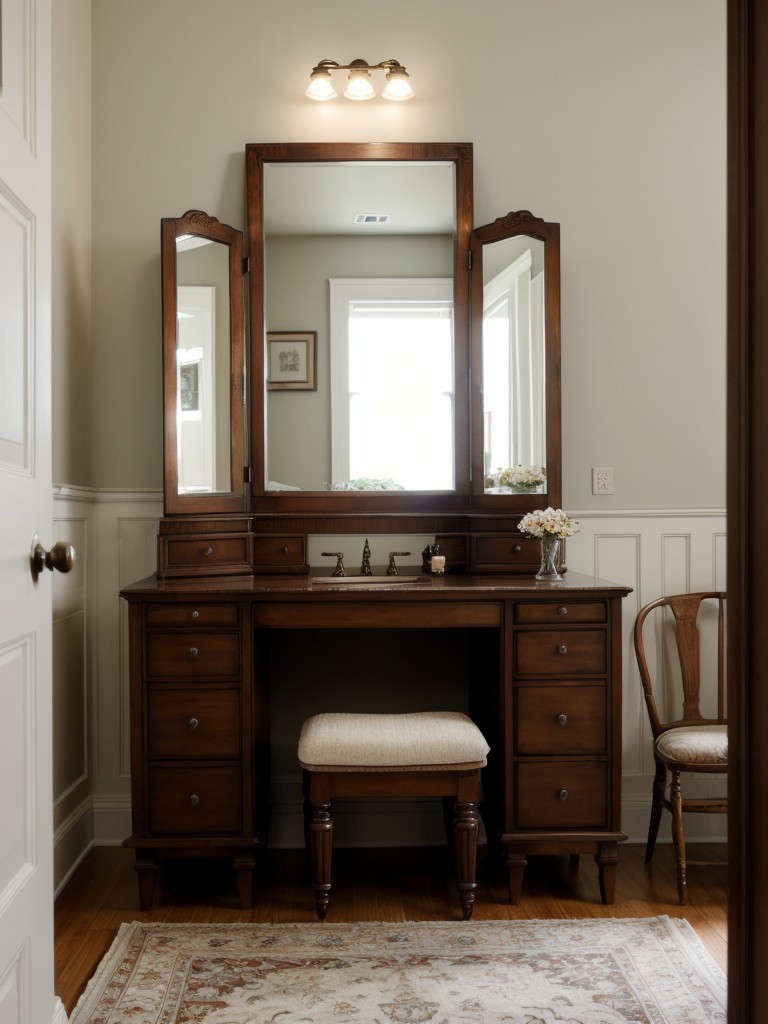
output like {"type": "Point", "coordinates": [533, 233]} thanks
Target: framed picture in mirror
{"type": "Point", "coordinates": [291, 360]}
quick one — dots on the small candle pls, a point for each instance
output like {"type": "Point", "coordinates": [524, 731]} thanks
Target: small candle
{"type": "Point", "coordinates": [438, 565]}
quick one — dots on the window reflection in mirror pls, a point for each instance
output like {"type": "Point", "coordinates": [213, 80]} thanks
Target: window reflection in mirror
{"type": "Point", "coordinates": [202, 366]}
{"type": "Point", "coordinates": [513, 350]}
{"type": "Point", "coordinates": [382, 416]}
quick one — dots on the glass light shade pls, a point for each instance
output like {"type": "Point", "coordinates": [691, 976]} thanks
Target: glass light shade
{"type": "Point", "coordinates": [359, 87]}
{"type": "Point", "coordinates": [320, 86]}
{"type": "Point", "coordinates": [398, 87]}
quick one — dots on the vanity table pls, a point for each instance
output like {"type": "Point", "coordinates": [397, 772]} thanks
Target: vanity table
{"type": "Point", "coordinates": [264, 450]}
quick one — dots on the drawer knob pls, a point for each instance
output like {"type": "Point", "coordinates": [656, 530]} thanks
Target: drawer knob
{"type": "Point", "coordinates": [562, 719]}
{"type": "Point", "coordinates": [194, 800]}
{"type": "Point", "coordinates": [208, 551]}
{"type": "Point", "coordinates": [195, 614]}
{"type": "Point", "coordinates": [194, 722]}
{"type": "Point", "coordinates": [193, 652]}
{"type": "Point", "coordinates": [562, 610]}
{"type": "Point", "coordinates": [517, 549]}
{"type": "Point", "coordinates": [563, 794]}
{"type": "Point", "coordinates": [283, 551]}
{"type": "Point", "coordinates": [562, 649]}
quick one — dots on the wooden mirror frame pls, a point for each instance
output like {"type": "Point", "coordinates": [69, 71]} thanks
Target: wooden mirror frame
{"type": "Point", "coordinates": [321, 505]}
{"type": "Point", "coordinates": [522, 222]}
{"type": "Point", "coordinates": [195, 222]}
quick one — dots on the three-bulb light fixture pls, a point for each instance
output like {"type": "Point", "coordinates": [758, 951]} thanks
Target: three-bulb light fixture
{"type": "Point", "coordinates": [359, 85]}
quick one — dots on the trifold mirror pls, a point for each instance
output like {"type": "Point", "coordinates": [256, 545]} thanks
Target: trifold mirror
{"type": "Point", "coordinates": [384, 375]}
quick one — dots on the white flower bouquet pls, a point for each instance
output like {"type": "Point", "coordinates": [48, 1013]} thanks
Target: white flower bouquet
{"type": "Point", "coordinates": [552, 521]}
{"type": "Point", "coordinates": [523, 477]}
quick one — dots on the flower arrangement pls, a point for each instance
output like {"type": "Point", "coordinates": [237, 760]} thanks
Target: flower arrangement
{"type": "Point", "coordinates": [552, 521]}
{"type": "Point", "coordinates": [526, 477]}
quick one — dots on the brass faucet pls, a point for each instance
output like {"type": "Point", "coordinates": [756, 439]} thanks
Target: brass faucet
{"type": "Point", "coordinates": [392, 569]}
{"type": "Point", "coordinates": [365, 568]}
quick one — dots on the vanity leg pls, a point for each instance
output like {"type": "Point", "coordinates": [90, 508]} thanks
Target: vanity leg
{"type": "Point", "coordinates": [244, 865]}
{"type": "Point", "coordinates": [517, 862]}
{"type": "Point", "coordinates": [146, 872]}
{"type": "Point", "coordinates": [321, 849]}
{"type": "Point", "coordinates": [465, 828]}
{"type": "Point", "coordinates": [607, 858]}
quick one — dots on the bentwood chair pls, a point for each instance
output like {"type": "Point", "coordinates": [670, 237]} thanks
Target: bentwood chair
{"type": "Point", "coordinates": [692, 743]}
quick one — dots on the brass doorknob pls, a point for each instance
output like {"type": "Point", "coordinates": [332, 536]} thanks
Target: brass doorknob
{"type": "Point", "coordinates": [61, 557]}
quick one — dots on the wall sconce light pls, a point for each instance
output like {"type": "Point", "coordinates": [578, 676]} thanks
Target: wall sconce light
{"type": "Point", "coordinates": [359, 86]}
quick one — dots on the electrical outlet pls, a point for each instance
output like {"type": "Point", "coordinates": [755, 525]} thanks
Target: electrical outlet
{"type": "Point", "coordinates": [602, 479]}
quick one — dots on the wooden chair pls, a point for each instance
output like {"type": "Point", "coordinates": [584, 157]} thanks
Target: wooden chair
{"type": "Point", "coordinates": [691, 743]}
{"type": "Point", "coordinates": [424, 754]}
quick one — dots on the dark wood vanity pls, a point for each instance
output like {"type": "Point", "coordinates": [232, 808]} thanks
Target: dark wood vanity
{"type": "Point", "coordinates": [233, 547]}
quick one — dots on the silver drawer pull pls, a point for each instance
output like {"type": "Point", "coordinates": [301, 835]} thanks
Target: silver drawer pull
{"type": "Point", "coordinates": [208, 551]}
{"type": "Point", "coordinates": [195, 614]}
{"type": "Point", "coordinates": [562, 719]}
{"type": "Point", "coordinates": [563, 794]}
{"type": "Point", "coordinates": [562, 649]}
{"type": "Point", "coordinates": [194, 722]}
{"type": "Point", "coordinates": [562, 610]}
{"type": "Point", "coordinates": [193, 652]}
{"type": "Point", "coordinates": [194, 800]}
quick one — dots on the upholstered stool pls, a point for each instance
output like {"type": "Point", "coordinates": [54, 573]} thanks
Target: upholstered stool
{"type": "Point", "coordinates": [435, 753]}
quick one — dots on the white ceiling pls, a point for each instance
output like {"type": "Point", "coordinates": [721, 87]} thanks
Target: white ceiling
{"type": "Point", "coordinates": [324, 198]}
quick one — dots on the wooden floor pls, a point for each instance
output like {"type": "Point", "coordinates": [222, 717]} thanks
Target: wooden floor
{"type": "Point", "coordinates": [370, 885]}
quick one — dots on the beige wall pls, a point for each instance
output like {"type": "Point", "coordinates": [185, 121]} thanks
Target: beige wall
{"type": "Point", "coordinates": [607, 117]}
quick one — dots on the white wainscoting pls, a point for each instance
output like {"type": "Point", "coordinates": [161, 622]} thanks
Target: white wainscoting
{"type": "Point", "coordinates": [654, 552]}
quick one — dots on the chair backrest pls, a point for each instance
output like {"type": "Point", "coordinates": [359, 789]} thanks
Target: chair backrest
{"type": "Point", "coordinates": [685, 609]}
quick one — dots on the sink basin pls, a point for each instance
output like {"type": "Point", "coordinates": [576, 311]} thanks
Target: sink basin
{"type": "Point", "coordinates": [343, 581]}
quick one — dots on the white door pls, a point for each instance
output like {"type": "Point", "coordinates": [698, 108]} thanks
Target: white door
{"type": "Point", "coordinates": [26, 835]}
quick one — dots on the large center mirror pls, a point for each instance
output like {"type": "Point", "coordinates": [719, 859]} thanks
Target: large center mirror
{"type": "Point", "coordinates": [359, 288]}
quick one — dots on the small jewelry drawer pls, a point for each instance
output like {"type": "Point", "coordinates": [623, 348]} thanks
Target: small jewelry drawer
{"type": "Point", "coordinates": [191, 556]}
{"type": "Point", "coordinates": [193, 723]}
{"type": "Point", "coordinates": [284, 553]}
{"type": "Point", "coordinates": [195, 800]}
{"type": "Point", "coordinates": [560, 652]}
{"type": "Point", "coordinates": [562, 613]}
{"type": "Point", "coordinates": [193, 656]}
{"type": "Point", "coordinates": [504, 551]}
{"type": "Point", "coordinates": [192, 615]}
{"type": "Point", "coordinates": [560, 720]}
{"type": "Point", "coordinates": [561, 795]}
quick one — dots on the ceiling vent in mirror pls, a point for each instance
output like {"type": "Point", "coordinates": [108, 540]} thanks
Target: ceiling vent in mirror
{"type": "Point", "coordinates": [371, 218]}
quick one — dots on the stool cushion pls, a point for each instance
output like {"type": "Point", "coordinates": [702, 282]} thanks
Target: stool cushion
{"type": "Point", "coordinates": [695, 744]}
{"type": "Point", "coordinates": [419, 741]}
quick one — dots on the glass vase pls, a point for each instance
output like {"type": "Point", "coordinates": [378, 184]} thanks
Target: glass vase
{"type": "Point", "coordinates": [550, 556]}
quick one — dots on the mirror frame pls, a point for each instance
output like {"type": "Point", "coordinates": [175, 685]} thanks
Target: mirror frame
{"type": "Point", "coordinates": [196, 222]}
{"type": "Point", "coordinates": [358, 502]}
{"type": "Point", "coordinates": [521, 222]}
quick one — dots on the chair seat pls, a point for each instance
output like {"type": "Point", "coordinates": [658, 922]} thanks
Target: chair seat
{"type": "Point", "coordinates": [695, 744]}
{"type": "Point", "coordinates": [420, 741]}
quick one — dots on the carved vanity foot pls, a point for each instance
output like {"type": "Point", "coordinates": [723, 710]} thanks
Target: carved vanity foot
{"type": "Point", "coordinates": [146, 871]}
{"type": "Point", "coordinates": [517, 862]}
{"type": "Point", "coordinates": [607, 858]}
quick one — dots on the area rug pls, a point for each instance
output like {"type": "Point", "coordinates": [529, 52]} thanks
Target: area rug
{"type": "Point", "coordinates": [635, 971]}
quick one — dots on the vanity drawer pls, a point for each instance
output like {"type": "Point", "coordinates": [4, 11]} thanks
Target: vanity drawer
{"type": "Point", "coordinates": [504, 551]}
{"type": "Point", "coordinates": [195, 555]}
{"type": "Point", "coordinates": [560, 652]}
{"type": "Point", "coordinates": [279, 553]}
{"type": "Point", "coordinates": [560, 720]}
{"type": "Point", "coordinates": [193, 723]}
{"type": "Point", "coordinates": [193, 656]}
{"type": "Point", "coordinates": [192, 615]}
{"type": "Point", "coordinates": [562, 613]}
{"type": "Point", "coordinates": [195, 800]}
{"type": "Point", "coordinates": [561, 795]}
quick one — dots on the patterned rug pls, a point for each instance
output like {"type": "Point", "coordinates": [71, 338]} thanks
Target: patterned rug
{"type": "Point", "coordinates": [641, 971]}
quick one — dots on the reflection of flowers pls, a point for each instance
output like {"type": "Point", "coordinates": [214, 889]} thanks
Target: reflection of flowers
{"type": "Point", "coordinates": [551, 521]}
{"type": "Point", "coordinates": [366, 483]}
{"type": "Point", "coordinates": [524, 477]}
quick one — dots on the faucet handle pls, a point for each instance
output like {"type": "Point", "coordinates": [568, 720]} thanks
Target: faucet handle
{"type": "Point", "coordinates": [339, 556]}
{"type": "Point", "coordinates": [392, 569]}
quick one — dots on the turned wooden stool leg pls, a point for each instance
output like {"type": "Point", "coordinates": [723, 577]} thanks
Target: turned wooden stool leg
{"type": "Point", "coordinates": [321, 849]}
{"type": "Point", "coordinates": [465, 827]}
{"type": "Point", "coordinates": [678, 838]}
